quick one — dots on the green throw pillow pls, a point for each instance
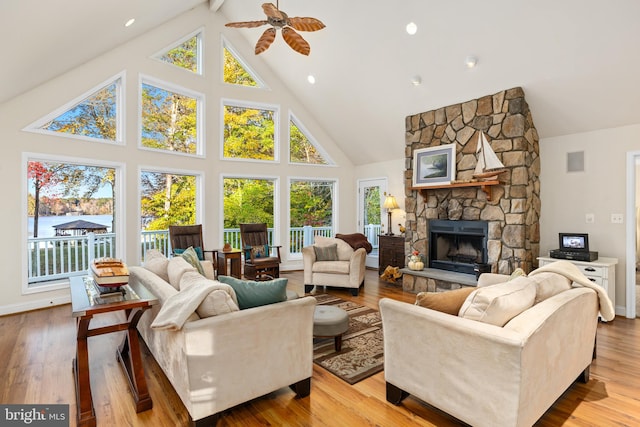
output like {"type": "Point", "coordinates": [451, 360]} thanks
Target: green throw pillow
{"type": "Point", "coordinates": [326, 253]}
{"type": "Point", "coordinates": [191, 256]}
{"type": "Point", "coordinates": [198, 250]}
{"type": "Point", "coordinates": [254, 294]}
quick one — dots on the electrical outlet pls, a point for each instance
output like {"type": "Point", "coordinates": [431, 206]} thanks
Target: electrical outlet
{"type": "Point", "coordinates": [616, 218]}
{"type": "Point", "coordinates": [590, 218]}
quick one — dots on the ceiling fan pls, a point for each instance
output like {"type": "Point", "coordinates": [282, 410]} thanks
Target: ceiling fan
{"type": "Point", "coordinates": [280, 20]}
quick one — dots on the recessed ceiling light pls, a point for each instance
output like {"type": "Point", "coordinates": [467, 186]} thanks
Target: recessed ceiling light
{"type": "Point", "coordinates": [130, 22]}
{"type": "Point", "coordinates": [416, 80]}
{"type": "Point", "coordinates": [311, 79]}
{"type": "Point", "coordinates": [471, 61]}
{"type": "Point", "coordinates": [412, 28]}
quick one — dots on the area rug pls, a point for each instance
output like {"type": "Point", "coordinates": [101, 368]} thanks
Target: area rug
{"type": "Point", "coordinates": [362, 350]}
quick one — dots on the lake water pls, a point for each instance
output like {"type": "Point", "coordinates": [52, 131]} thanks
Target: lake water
{"type": "Point", "coordinates": [46, 223]}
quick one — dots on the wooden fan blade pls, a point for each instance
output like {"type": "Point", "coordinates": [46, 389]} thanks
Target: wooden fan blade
{"type": "Point", "coordinates": [296, 41]}
{"type": "Point", "coordinates": [265, 40]}
{"type": "Point", "coordinates": [272, 11]}
{"type": "Point", "coordinates": [246, 24]}
{"type": "Point", "coordinates": [306, 24]}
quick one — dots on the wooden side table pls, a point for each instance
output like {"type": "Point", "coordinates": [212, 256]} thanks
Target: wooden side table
{"type": "Point", "coordinates": [86, 303]}
{"type": "Point", "coordinates": [235, 263]}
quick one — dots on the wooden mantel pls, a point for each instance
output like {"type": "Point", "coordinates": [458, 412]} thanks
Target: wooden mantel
{"type": "Point", "coordinates": [484, 186]}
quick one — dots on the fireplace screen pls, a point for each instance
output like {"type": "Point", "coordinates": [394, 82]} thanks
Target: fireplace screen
{"type": "Point", "coordinates": [457, 245]}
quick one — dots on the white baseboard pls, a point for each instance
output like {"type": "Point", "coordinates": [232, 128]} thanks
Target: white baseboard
{"type": "Point", "coordinates": [34, 305]}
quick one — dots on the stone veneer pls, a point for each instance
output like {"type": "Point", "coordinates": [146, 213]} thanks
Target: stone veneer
{"type": "Point", "coordinates": [514, 209]}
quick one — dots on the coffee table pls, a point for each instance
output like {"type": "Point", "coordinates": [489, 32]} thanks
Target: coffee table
{"type": "Point", "coordinates": [86, 303]}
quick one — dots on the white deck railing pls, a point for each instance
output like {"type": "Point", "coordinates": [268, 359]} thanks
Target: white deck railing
{"type": "Point", "coordinates": [52, 258]}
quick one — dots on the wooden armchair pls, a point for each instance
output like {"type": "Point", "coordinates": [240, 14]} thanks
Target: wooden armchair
{"type": "Point", "coordinates": [259, 264]}
{"type": "Point", "coordinates": [183, 236]}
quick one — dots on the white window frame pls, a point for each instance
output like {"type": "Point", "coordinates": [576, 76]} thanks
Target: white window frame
{"type": "Point", "coordinates": [180, 90]}
{"type": "Point", "coordinates": [325, 155]}
{"type": "Point", "coordinates": [225, 44]}
{"type": "Point", "coordinates": [199, 33]}
{"type": "Point", "coordinates": [120, 81]}
{"type": "Point", "coordinates": [257, 106]}
{"type": "Point", "coordinates": [119, 213]}
{"type": "Point", "coordinates": [334, 212]}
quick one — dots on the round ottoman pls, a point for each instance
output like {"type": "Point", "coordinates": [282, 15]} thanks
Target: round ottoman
{"type": "Point", "coordinates": [329, 321]}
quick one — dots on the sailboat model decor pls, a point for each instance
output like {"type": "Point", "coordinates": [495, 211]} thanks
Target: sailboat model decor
{"type": "Point", "coordinates": [489, 166]}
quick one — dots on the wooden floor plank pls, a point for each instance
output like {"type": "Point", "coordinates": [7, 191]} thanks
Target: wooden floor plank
{"type": "Point", "coordinates": [37, 349]}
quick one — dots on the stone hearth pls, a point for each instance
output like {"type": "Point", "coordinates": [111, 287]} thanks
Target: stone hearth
{"type": "Point", "coordinates": [514, 209]}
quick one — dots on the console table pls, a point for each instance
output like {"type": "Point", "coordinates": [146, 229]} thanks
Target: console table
{"type": "Point", "coordinates": [390, 252]}
{"type": "Point", "coordinates": [85, 303]}
{"type": "Point", "coordinates": [601, 271]}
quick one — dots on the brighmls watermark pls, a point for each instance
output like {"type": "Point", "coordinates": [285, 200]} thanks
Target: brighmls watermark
{"type": "Point", "coordinates": [34, 415]}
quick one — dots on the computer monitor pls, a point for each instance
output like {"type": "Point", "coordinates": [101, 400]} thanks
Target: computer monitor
{"type": "Point", "coordinates": [575, 242]}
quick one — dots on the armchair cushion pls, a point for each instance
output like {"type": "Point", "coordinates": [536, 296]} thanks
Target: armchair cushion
{"type": "Point", "coordinates": [326, 253]}
{"type": "Point", "coordinates": [448, 302]}
{"type": "Point", "coordinates": [197, 249]}
{"type": "Point", "coordinates": [497, 304]}
{"type": "Point", "coordinates": [254, 294]}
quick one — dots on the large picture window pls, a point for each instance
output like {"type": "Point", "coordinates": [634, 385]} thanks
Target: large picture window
{"type": "Point", "coordinates": [71, 218]}
{"type": "Point", "coordinates": [250, 132]}
{"type": "Point", "coordinates": [170, 118]}
{"type": "Point", "coordinates": [311, 211]}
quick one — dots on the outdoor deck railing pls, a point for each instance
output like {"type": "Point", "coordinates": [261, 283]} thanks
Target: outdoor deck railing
{"type": "Point", "coordinates": [52, 258]}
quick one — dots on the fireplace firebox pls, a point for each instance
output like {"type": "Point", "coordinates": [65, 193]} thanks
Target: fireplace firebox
{"type": "Point", "coordinates": [457, 245]}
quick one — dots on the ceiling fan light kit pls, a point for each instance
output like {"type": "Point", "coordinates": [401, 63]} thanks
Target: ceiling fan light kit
{"type": "Point", "coordinates": [288, 26]}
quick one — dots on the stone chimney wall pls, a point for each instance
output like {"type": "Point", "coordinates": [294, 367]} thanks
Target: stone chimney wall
{"type": "Point", "coordinates": [514, 209]}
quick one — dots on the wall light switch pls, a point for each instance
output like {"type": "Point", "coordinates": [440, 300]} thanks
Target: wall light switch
{"type": "Point", "coordinates": [590, 218]}
{"type": "Point", "coordinates": [616, 218]}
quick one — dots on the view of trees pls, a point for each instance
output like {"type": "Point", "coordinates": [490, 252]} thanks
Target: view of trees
{"type": "Point", "coordinates": [301, 149]}
{"type": "Point", "coordinates": [311, 203]}
{"type": "Point", "coordinates": [249, 133]}
{"type": "Point", "coordinates": [185, 55]}
{"type": "Point", "coordinates": [167, 199]}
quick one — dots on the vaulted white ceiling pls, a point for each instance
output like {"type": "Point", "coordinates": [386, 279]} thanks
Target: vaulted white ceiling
{"type": "Point", "coordinates": [577, 60]}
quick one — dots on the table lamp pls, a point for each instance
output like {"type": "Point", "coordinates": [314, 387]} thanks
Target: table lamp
{"type": "Point", "coordinates": [389, 204]}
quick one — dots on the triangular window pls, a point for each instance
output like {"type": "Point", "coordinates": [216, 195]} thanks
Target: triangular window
{"type": "Point", "coordinates": [302, 148]}
{"type": "Point", "coordinates": [93, 115]}
{"type": "Point", "coordinates": [236, 71]}
{"type": "Point", "coordinates": [186, 53]}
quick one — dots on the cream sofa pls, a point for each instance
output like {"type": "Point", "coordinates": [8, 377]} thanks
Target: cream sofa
{"type": "Point", "coordinates": [347, 271]}
{"type": "Point", "coordinates": [488, 375]}
{"type": "Point", "coordinates": [218, 362]}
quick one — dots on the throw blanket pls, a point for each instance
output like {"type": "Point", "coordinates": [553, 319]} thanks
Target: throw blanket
{"type": "Point", "coordinates": [572, 272]}
{"type": "Point", "coordinates": [356, 241]}
{"type": "Point", "coordinates": [176, 309]}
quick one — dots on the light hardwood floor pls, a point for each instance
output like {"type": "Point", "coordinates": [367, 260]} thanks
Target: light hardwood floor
{"type": "Point", "coordinates": [37, 348]}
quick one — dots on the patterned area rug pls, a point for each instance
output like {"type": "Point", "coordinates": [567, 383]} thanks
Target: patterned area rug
{"type": "Point", "coordinates": [362, 349]}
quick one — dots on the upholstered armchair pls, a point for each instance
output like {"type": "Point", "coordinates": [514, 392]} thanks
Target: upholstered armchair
{"type": "Point", "coordinates": [333, 262]}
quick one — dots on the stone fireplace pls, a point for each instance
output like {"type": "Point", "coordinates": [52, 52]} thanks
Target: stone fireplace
{"type": "Point", "coordinates": [511, 209]}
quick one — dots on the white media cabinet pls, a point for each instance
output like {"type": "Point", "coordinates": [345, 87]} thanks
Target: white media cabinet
{"type": "Point", "coordinates": [601, 271]}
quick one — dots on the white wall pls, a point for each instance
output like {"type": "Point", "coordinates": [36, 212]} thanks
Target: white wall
{"type": "Point", "coordinates": [135, 58]}
{"type": "Point", "coordinates": [600, 190]}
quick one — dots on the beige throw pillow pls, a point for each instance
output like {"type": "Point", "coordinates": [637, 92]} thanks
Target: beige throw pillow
{"type": "Point", "coordinates": [344, 249]}
{"type": "Point", "coordinates": [215, 303]}
{"type": "Point", "coordinates": [447, 302]}
{"type": "Point", "coordinates": [157, 263]}
{"type": "Point", "coordinates": [176, 268]}
{"type": "Point", "coordinates": [497, 304]}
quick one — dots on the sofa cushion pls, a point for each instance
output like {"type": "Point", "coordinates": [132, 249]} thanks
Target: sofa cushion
{"type": "Point", "coordinates": [497, 304]}
{"type": "Point", "coordinates": [254, 294]}
{"type": "Point", "coordinates": [549, 284]}
{"type": "Point", "coordinates": [326, 253]}
{"type": "Point", "coordinates": [447, 302]}
{"type": "Point", "coordinates": [157, 263]}
{"type": "Point", "coordinates": [190, 255]}
{"type": "Point", "coordinates": [176, 268]}
{"type": "Point", "coordinates": [344, 249]}
{"type": "Point", "coordinates": [331, 267]}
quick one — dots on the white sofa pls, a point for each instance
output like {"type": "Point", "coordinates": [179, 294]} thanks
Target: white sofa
{"type": "Point", "coordinates": [347, 271]}
{"type": "Point", "coordinates": [218, 362]}
{"type": "Point", "coordinates": [488, 375]}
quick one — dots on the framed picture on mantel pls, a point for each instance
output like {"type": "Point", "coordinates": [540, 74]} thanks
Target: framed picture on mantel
{"type": "Point", "coordinates": [434, 165]}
